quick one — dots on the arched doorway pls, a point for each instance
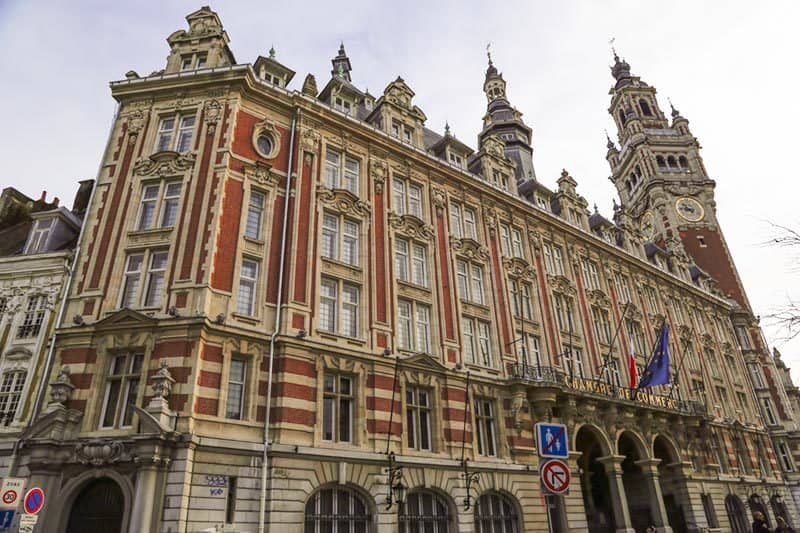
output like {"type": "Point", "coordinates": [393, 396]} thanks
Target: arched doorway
{"type": "Point", "coordinates": [98, 508]}
{"type": "Point", "coordinates": [757, 506]}
{"type": "Point", "coordinates": [594, 481]}
{"type": "Point", "coordinates": [779, 508]}
{"type": "Point", "coordinates": [735, 510]}
{"type": "Point", "coordinates": [671, 482]}
{"type": "Point", "coordinates": [633, 479]}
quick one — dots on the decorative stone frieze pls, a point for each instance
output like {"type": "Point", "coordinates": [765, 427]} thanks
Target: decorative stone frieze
{"type": "Point", "coordinates": [411, 226]}
{"type": "Point", "coordinates": [469, 248]}
{"type": "Point", "coordinates": [343, 201]}
{"type": "Point", "coordinates": [163, 164]}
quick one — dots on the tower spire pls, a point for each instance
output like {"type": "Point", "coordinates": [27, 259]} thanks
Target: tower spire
{"type": "Point", "coordinates": [341, 64]}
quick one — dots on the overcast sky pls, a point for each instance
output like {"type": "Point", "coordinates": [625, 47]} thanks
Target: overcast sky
{"type": "Point", "coordinates": [730, 67]}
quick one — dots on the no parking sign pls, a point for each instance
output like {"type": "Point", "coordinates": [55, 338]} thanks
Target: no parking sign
{"type": "Point", "coordinates": [34, 501]}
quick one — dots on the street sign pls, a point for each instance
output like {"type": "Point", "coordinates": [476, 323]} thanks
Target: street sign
{"type": "Point", "coordinates": [10, 492]}
{"type": "Point", "coordinates": [6, 517]}
{"type": "Point", "coordinates": [34, 500]}
{"type": "Point", "coordinates": [27, 522]}
{"type": "Point", "coordinates": [551, 440]}
{"type": "Point", "coordinates": [555, 476]}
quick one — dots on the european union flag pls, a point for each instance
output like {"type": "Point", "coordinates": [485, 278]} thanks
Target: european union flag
{"type": "Point", "coordinates": [657, 372]}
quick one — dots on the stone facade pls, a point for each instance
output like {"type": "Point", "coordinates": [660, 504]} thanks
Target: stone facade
{"type": "Point", "coordinates": [386, 296]}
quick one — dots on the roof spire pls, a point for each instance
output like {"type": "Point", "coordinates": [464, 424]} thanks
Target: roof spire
{"type": "Point", "coordinates": [613, 50]}
{"type": "Point", "coordinates": [272, 52]}
{"type": "Point", "coordinates": [341, 64]}
{"type": "Point", "coordinates": [609, 143]}
{"type": "Point", "coordinates": [675, 112]}
{"type": "Point", "coordinates": [489, 52]}
{"type": "Point", "coordinates": [447, 129]}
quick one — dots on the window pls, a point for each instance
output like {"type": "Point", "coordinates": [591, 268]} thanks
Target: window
{"type": "Point", "coordinates": [418, 418]}
{"type": "Point", "coordinates": [623, 288]}
{"type": "Point", "coordinates": [455, 159]}
{"type": "Point", "coordinates": [652, 298]}
{"type": "Point", "coordinates": [10, 395]}
{"type": "Point", "coordinates": [637, 336]}
{"type": "Point", "coordinates": [477, 342]}
{"type": "Point", "coordinates": [611, 373]}
{"type": "Point", "coordinates": [708, 509]}
{"type": "Point", "coordinates": [565, 313]}
{"type": "Point", "coordinates": [645, 108]}
{"type": "Point", "coordinates": [553, 260]}
{"type": "Point", "coordinates": [413, 326]}
{"type": "Point", "coordinates": [530, 353]}
{"type": "Point", "coordinates": [159, 203]}
{"type": "Point", "coordinates": [494, 513]}
{"type": "Point", "coordinates": [758, 377]}
{"type": "Point", "coordinates": [743, 337]}
{"type": "Point", "coordinates": [411, 262]}
{"type": "Point", "coordinates": [342, 105]}
{"type": "Point", "coordinates": [462, 222]}
{"type": "Point", "coordinates": [406, 198]}
{"type": "Point", "coordinates": [511, 241]}
{"type": "Point", "coordinates": [337, 408]}
{"type": "Point", "coordinates": [38, 239]}
{"type": "Point", "coordinates": [155, 279]}
{"type": "Point", "coordinates": [424, 511]}
{"type": "Point", "coordinates": [602, 325]}
{"type": "Point", "coordinates": [255, 214]}
{"type": "Point", "coordinates": [33, 318]}
{"type": "Point", "coordinates": [671, 162]}
{"type": "Point", "coordinates": [339, 307]}
{"type": "Point", "coordinates": [340, 239]}
{"type": "Point", "coordinates": [573, 361]}
{"type": "Point", "coordinates": [194, 61]}
{"type": "Point", "coordinates": [248, 281]}
{"type": "Point", "coordinates": [678, 310]}
{"type": "Point", "coordinates": [470, 281]}
{"type": "Point", "coordinates": [132, 280]}
{"type": "Point", "coordinates": [769, 411]}
{"type": "Point", "coordinates": [786, 457]}
{"type": "Point", "coordinates": [500, 179]}
{"type": "Point", "coordinates": [591, 275]}
{"type": "Point", "coordinates": [175, 133]}
{"type": "Point", "coordinates": [234, 406]}
{"type": "Point", "coordinates": [683, 163]}
{"type": "Point", "coordinates": [520, 296]}
{"type": "Point", "coordinates": [485, 428]}
{"type": "Point", "coordinates": [122, 390]}
{"type": "Point", "coordinates": [543, 203]}
{"type": "Point", "coordinates": [341, 172]}
{"type": "Point", "coordinates": [337, 510]}
{"type": "Point", "coordinates": [264, 142]}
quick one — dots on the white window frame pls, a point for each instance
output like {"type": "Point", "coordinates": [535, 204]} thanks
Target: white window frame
{"type": "Point", "coordinates": [164, 201]}
{"type": "Point", "coordinates": [411, 262]}
{"type": "Point", "coordinates": [413, 326]}
{"type": "Point", "coordinates": [344, 236]}
{"type": "Point", "coordinates": [240, 384]}
{"type": "Point", "coordinates": [769, 411]}
{"type": "Point", "coordinates": [247, 283]}
{"type": "Point", "coordinates": [470, 279]}
{"type": "Point", "coordinates": [485, 426]}
{"type": "Point", "coordinates": [342, 307]}
{"type": "Point", "coordinates": [342, 171]}
{"type": "Point", "coordinates": [193, 61]}
{"type": "Point", "coordinates": [553, 259]}
{"type": "Point", "coordinates": [407, 197]}
{"type": "Point", "coordinates": [254, 219]}
{"type": "Point", "coordinates": [179, 136]}
{"type": "Point", "coordinates": [591, 274]}
{"type": "Point", "coordinates": [419, 411]}
{"type": "Point", "coordinates": [602, 324]}
{"type": "Point", "coordinates": [11, 388]}
{"type": "Point", "coordinates": [573, 357]}
{"type": "Point", "coordinates": [33, 318]}
{"type": "Point", "coordinates": [156, 274]}
{"type": "Point", "coordinates": [130, 379]}
{"type": "Point", "coordinates": [333, 418]}
{"type": "Point", "coordinates": [478, 342]}
{"type": "Point", "coordinates": [40, 233]}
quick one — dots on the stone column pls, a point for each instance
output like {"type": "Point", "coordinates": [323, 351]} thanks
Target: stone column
{"type": "Point", "coordinates": [619, 502]}
{"type": "Point", "coordinates": [144, 498]}
{"type": "Point", "coordinates": [650, 472]}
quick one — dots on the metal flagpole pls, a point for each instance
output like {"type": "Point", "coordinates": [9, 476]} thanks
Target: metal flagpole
{"type": "Point", "coordinates": [652, 355]}
{"type": "Point", "coordinates": [571, 351]}
{"type": "Point", "coordinates": [607, 358]}
{"type": "Point", "coordinates": [680, 365]}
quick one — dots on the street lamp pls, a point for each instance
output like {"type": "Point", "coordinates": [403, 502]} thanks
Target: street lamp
{"type": "Point", "coordinates": [469, 479]}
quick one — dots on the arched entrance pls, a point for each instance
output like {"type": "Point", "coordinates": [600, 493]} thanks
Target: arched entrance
{"type": "Point", "coordinates": [735, 510]}
{"type": "Point", "coordinates": [671, 481]}
{"type": "Point", "coordinates": [779, 508]}
{"type": "Point", "coordinates": [594, 481]}
{"type": "Point", "coordinates": [757, 506]}
{"type": "Point", "coordinates": [637, 491]}
{"type": "Point", "coordinates": [98, 508]}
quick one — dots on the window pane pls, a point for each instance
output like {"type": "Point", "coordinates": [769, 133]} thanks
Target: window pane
{"type": "Point", "coordinates": [332, 169]}
{"type": "Point", "coordinates": [112, 398]}
{"type": "Point", "coordinates": [351, 171]}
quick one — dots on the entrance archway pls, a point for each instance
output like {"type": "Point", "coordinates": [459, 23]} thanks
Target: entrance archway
{"type": "Point", "coordinates": [671, 481]}
{"type": "Point", "coordinates": [736, 517]}
{"type": "Point", "coordinates": [757, 506]}
{"type": "Point", "coordinates": [594, 481]}
{"type": "Point", "coordinates": [779, 508]}
{"type": "Point", "coordinates": [637, 491]}
{"type": "Point", "coordinates": [98, 508]}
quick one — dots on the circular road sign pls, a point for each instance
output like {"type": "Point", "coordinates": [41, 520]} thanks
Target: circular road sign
{"type": "Point", "coordinates": [34, 500]}
{"type": "Point", "coordinates": [10, 497]}
{"type": "Point", "coordinates": [555, 476]}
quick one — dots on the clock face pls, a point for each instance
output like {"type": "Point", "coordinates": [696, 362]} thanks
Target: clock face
{"type": "Point", "coordinates": [689, 209]}
{"type": "Point", "coordinates": [647, 224]}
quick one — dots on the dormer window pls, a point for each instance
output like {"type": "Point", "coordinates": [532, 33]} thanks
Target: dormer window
{"type": "Point", "coordinates": [456, 159]}
{"type": "Point", "coordinates": [543, 202]}
{"type": "Point", "coordinates": [500, 179]}
{"type": "Point", "coordinates": [400, 131]}
{"type": "Point", "coordinates": [170, 139]}
{"type": "Point", "coordinates": [39, 235]}
{"type": "Point", "coordinates": [342, 105]}
{"type": "Point", "coordinates": [194, 61]}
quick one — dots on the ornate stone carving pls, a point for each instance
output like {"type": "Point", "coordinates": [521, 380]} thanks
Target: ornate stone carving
{"type": "Point", "coordinates": [136, 122]}
{"type": "Point", "coordinates": [411, 226]}
{"type": "Point", "coordinates": [213, 112]}
{"type": "Point", "coordinates": [684, 332]}
{"type": "Point", "coordinates": [656, 319]}
{"type": "Point", "coordinates": [598, 298]}
{"type": "Point", "coordinates": [61, 389]}
{"type": "Point", "coordinates": [309, 140]}
{"type": "Point", "coordinates": [269, 127]}
{"type": "Point", "coordinates": [379, 171]}
{"type": "Point", "coordinates": [707, 340]}
{"type": "Point", "coordinates": [469, 248]}
{"type": "Point", "coordinates": [162, 381]}
{"type": "Point", "coordinates": [536, 239]}
{"type": "Point", "coordinates": [438, 197]}
{"type": "Point", "coordinates": [520, 268]}
{"type": "Point", "coordinates": [519, 406]}
{"type": "Point", "coordinates": [98, 452]}
{"type": "Point", "coordinates": [561, 284]}
{"type": "Point", "coordinates": [261, 174]}
{"type": "Point", "coordinates": [164, 164]}
{"type": "Point", "coordinates": [343, 201]}
{"type": "Point", "coordinates": [632, 312]}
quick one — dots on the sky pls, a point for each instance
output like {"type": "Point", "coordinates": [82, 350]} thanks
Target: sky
{"type": "Point", "coordinates": [731, 68]}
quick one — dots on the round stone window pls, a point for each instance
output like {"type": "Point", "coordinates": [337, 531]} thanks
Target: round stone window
{"type": "Point", "coordinates": [265, 144]}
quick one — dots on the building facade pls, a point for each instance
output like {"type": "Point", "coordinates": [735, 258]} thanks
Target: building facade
{"type": "Point", "coordinates": [401, 309]}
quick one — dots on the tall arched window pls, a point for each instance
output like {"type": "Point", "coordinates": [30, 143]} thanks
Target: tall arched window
{"type": "Point", "coordinates": [671, 163]}
{"type": "Point", "coordinates": [622, 117]}
{"type": "Point", "coordinates": [495, 513]}
{"type": "Point", "coordinates": [660, 162]}
{"type": "Point", "coordinates": [425, 511]}
{"type": "Point", "coordinates": [683, 162]}
{"type": "Point", "coordinates": [645, 108]}
{"type": "Point", "coordinates": [10, 393]}
{"type": "Point", "coordinates": [735, 510]}
{"type": "Point", "coordinates": [337, 510]}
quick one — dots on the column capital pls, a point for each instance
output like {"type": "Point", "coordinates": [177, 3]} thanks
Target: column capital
{"type": "Point", "coordinates": [612, 463]}
{"type": "Point", "coordinates": [648, 466]}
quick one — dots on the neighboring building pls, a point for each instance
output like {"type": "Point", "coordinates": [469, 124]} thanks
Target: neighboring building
{"type": "Point", "coordinates": [37, 243]}
{"type": "Point", "coordinates": [197, 313]}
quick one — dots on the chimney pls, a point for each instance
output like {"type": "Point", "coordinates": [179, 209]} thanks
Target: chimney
{"type": "Point", "coordinates": [81, 202]}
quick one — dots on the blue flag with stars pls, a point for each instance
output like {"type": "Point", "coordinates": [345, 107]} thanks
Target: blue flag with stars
{"type": "Point", "coordinates": [657, 372]}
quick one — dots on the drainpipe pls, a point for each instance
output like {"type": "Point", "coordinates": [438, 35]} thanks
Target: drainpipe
{"type": "Point", "coordinates": [71, 266]}
{"type": "Point", "coordinates": [265, 459]}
